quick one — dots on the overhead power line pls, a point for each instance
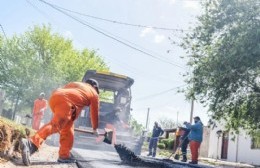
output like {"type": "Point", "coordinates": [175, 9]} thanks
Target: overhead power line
{"type": "Point", "coordinates": [108, 35]}
{"type": "Point", "coordinates": [119, 62]}
{"type": "Point", "coordinates": [3, 31]}
{"type": "Point", "coordinates": [119, 22]}
{"type": "Point", "coordinates": [160, 93]}
{"type": "Point", "coordinates": [37, 9]}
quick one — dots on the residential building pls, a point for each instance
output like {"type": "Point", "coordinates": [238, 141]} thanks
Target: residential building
{"type": "Point", "coordinates": [234, 147]}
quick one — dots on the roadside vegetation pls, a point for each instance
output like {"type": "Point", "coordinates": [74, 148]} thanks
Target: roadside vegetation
{"type": "Point", "coordinates": [40, 60]}
{"type": "Point", "coordinates": [223, 52]}
{"type": "Point", "coordinates": [136, 127]}
{"type": "Point", "coordinates": [10, 134]}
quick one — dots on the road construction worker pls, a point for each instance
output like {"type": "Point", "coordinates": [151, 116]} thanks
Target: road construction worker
{"type": "Point", "coordinates": [66, 104]}
{"type": "Point", "coordinates": [177, 139]}
{"type": "Point", "coordinates": [195, 137]}
{"type": "Point", "coordinates": [184, 143]}
{"type": "Point", "coordinates": [39, 108]}
{"type": "Point", "coordinates": [157, 132]}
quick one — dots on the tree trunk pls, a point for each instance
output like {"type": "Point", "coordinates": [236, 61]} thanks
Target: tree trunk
{"type": "Point", "coordinates": [16, 104]}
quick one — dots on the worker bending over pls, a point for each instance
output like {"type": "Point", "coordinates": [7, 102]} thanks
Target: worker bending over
{"type": "Point", "coordinates": [66, 104]}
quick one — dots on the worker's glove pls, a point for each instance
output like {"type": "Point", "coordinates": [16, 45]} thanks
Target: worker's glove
{"type": "Point", "coordinates": [95, 132]}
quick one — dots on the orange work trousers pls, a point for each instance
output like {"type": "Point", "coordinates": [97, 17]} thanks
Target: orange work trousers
{"type": "Point", "coordinates": [62, 123]}
{"type": "Point", "coordinates": [194, 148]}
{"type": "Point", "coordinates": [36, 122]}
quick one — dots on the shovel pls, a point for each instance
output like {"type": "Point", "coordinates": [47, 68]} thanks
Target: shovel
{"type": "Point", "coordinates": [108, 134]}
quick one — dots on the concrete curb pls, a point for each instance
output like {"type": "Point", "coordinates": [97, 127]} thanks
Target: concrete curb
{"type": "Point", "coordinates": [225, 163]}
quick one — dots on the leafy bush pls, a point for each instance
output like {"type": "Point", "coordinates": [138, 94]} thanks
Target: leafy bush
{"type": "Point", "coordinates": [161, 145]}
{"type": "Point", "coordinates": [168, 143]}
{"type": "Point", "coordinates": [165, 142]}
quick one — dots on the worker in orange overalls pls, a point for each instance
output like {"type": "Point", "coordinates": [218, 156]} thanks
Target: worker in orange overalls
{"type": "Point", "coordinates": [66, 104]}
{"type": "Point", "coordinates": [39, 107]}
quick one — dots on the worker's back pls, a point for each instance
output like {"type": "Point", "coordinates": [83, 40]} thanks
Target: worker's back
{"type": "Point", "coordinates": [78, 93]}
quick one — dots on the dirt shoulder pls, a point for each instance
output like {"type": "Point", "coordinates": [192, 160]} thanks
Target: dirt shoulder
{"type": "Point", "coordinates": [10, 134]}
{"type": "Point", "coordinates": [46, 157]}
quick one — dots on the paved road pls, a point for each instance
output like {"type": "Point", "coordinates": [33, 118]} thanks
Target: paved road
{"type": "Point", "coordinates": [98, 159]}
{"type": "Point", "coordinates": [106, 159]}
{"type": "Point", "coordinates": [92, 155]}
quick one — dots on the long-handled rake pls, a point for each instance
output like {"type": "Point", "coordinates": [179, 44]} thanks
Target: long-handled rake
{"type": "Point", "coordinates": [178, 150]}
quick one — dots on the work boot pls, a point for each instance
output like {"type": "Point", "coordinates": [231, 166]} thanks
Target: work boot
{"type": "Point", "coordinates": [154, 154]}
{"type": "Point", "coordinates": [193, 162]}
{"type": "Point", "coordinates": [184, 158]}
{"type": "Point", "coordinates": [27, 149]}
{"type": "Point", "coordinates": [149, 154]}
{"type": "Point", "coordinates": [71, 159]}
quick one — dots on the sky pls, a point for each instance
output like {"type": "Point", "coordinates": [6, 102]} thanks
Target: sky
{"type": "Point", "coordinates": [157, 70]}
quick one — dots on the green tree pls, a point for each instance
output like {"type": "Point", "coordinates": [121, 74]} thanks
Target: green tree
{"type": "Point", "coordinates": [224, 53]}
{"type": "Point", "coordinates": [136, 127]}
{"type": "Point", "coordinates": [40, 60]}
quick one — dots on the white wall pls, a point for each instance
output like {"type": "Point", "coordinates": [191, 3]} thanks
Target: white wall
{"type": "Point", "coordinates": [214, 147]}
{"type": "Point", "coordinates": [244, 154]}
{"type": "Point", "coordinates": [204, 147]}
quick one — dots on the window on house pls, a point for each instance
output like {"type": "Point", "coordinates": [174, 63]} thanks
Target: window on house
{"type": "Point", "coordinates": [256, 140]}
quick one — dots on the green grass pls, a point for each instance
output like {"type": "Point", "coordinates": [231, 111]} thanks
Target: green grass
{"type": "Point", "coordinates": [165, 153]}
{"type": "Point", "coordinates": [14, 126]}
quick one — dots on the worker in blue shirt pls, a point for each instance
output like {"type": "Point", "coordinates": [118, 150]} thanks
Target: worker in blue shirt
{"type": "Point", "coordinates": [157, 132]}
{"type": "Point", "coordinates": [195, 138]}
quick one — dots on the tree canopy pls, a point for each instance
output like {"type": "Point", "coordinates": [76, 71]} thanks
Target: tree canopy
{"type": "Point", "coordinates": [167, 123]}
{"type": "Point", "coordinates": [40, 61]}
{"type": "Point", "coordinates": [224, 53]}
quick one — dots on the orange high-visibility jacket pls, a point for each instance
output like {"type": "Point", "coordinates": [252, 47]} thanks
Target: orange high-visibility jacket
{"type": "Point", "coordinates": [81, 95]}
{"type": "Point", "coordinates": [38, 105]}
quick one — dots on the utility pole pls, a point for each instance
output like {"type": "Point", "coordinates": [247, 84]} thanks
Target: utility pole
{"type": "Point", "coordinates": [237, 146]}
{"type": "Point", "coordinates": [191, 111]}
{"type": "Point", "coordinates": [177, 118]}
{"type": "Point", "coordinates": [147, 118]}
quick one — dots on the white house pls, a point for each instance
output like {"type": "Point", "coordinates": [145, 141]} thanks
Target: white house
{"type": "Point", "coordinates": [236, 148]}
